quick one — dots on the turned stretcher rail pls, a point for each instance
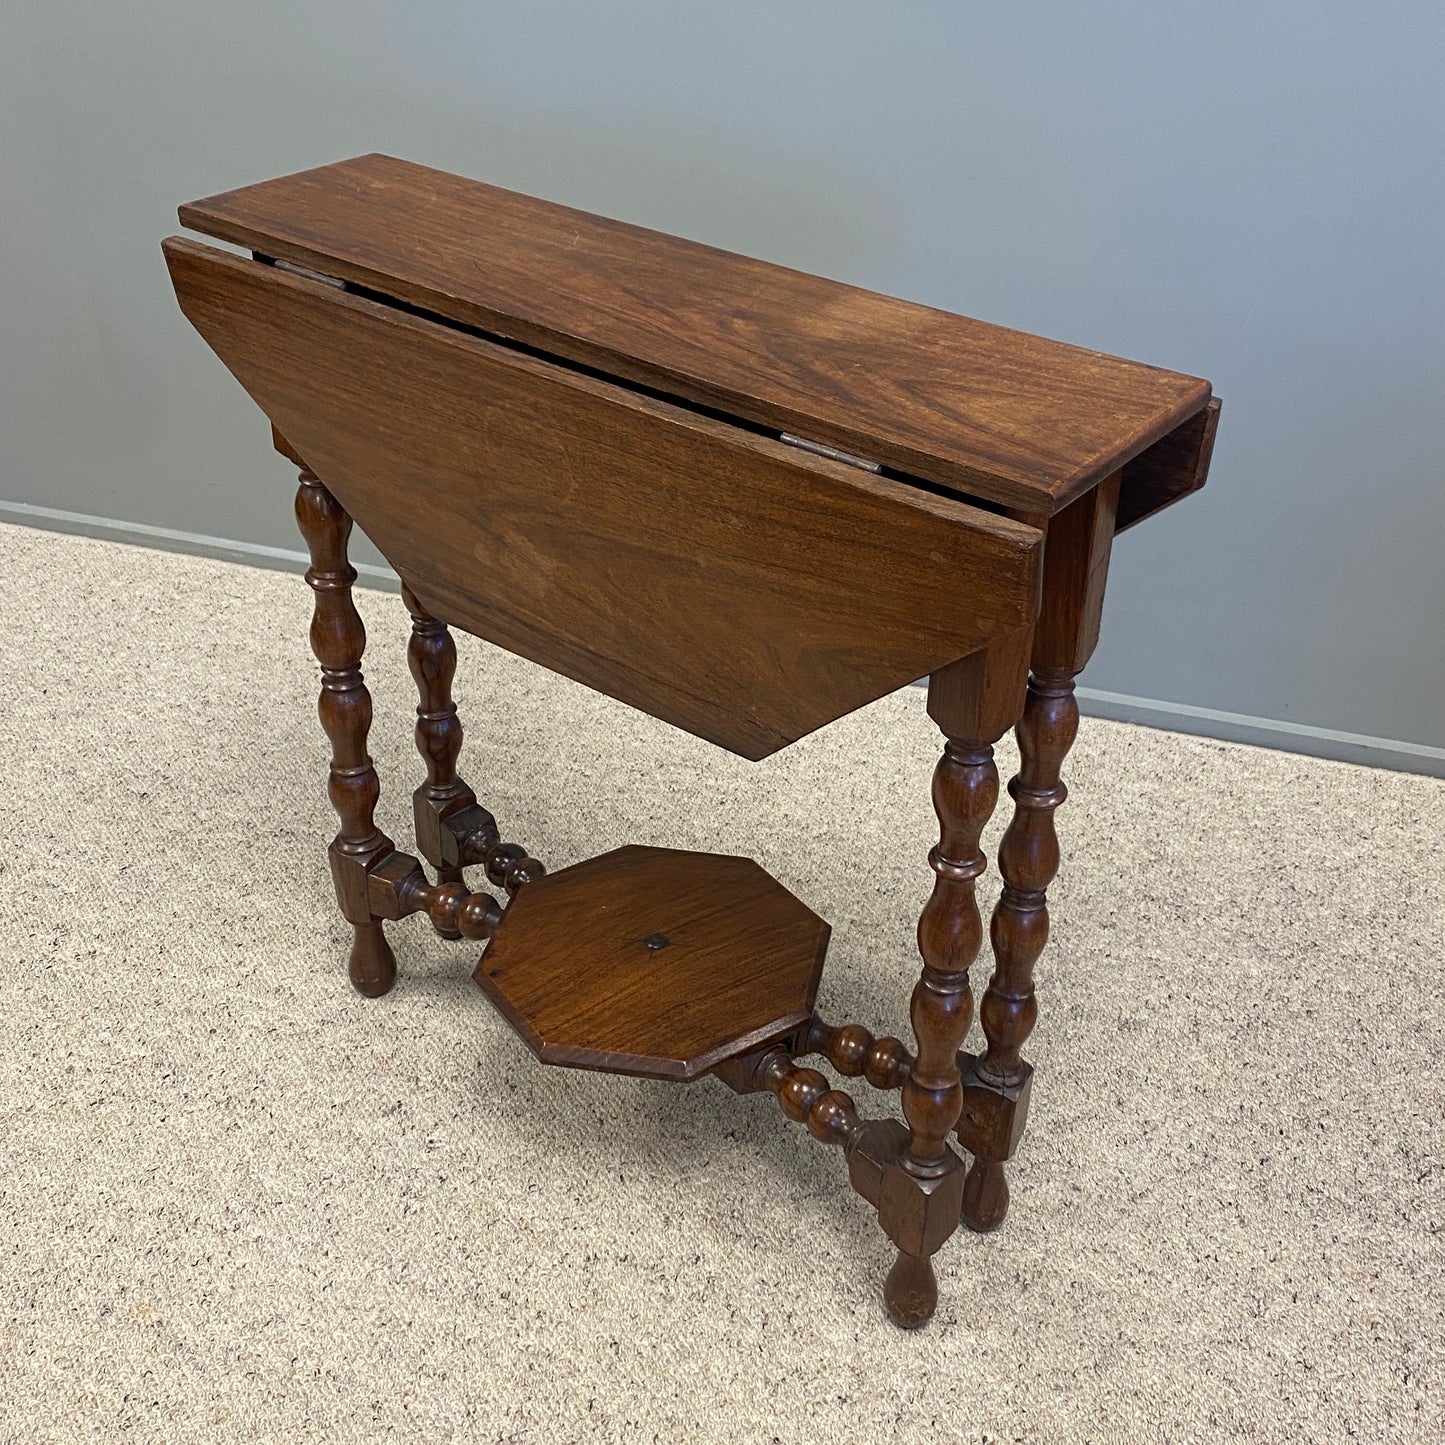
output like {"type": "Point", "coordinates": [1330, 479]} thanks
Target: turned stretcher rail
{"type": "Point", "coordinates": [397, 888]}
{"type": "Point", "coordinates": [854, 1052]}
{"type": "Point", "coordinates": [803, 1094]}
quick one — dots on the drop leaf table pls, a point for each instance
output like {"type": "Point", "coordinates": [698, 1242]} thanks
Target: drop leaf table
{"type": "Point", "coordinates": [746, 501]}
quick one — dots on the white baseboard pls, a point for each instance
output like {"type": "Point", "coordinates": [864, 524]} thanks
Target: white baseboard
{"type": "Point", "coordinates": [1264, 732]}
{"type": "Point", "coordinates": [168, 539]}
{"type": "Point", "coordinates": [1149, 712]}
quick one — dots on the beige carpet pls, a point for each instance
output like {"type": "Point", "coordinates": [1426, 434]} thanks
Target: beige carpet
{"type": "Point", "coordinates": [242, 1204]}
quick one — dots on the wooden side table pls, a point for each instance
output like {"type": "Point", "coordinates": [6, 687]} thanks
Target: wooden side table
{"type": "Point", "coordinates": [740, 498]}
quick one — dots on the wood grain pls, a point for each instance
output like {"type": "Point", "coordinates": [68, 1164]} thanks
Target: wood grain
{"type": "Point", "coordinates": [739, 588]}
{"type": "Point", "coordinates": [950, 931]}
{"type": "Point", "coordinates": [804, 1095]}
{"type": "Point", "coordinates": [1170, 470]}
{"type": "Point", "coordinates": [1076, 568]}
{"type": "Point", "coordinates": [1028, 858]}
{"type": "Point", "coordinates": [654, 962]}
{"type": "Point", "coordinates": [982, 695]}
{"type": "Point", "coordinates": [338, 639]}
{"type": "Point", "coordinates": [988, 411]}
{"type": "Point", "coordinates": [855, 1052]}
{"type": "Point", "coordinates": [560, 430]}
{"type": "Point", "coordinates": [432, 658]}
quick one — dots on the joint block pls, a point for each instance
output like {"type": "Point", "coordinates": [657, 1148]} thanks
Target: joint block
{"type": "Point", "coordinates": [391, 884]}
{"type": "Point", "coordinates": [452, 833]}
{"type": "Point", "coordinates": [375, 885]}
{"type": "Point", "coordinates": [349, 872]}
{"type": "Point", "coordinates": [443, 824]}
{"type": "Point", "coordinates": [993, 1117]}
{"type": "Point", "coordinates": [743, 1073]}
{"type": "Point", "coordinates": [918, 1215]}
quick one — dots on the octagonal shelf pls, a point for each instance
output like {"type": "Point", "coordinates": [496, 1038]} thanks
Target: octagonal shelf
{"type": "Point", "coordinates": [655, 962]}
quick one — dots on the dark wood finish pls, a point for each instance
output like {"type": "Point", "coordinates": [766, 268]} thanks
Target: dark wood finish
{"type": "Point", "coordinates": [854, 1052]}
{"type": "Point", "coordinates": [990, 412]}
{"type": "Point", "coordinates": [1170, 470]}
{"type": "Point", "coordinates": [561, 431]}
{"type": "Point", "coordinates": [950, 932]}
{"type": "Point", "coordinates": [804, 1095]}
{"type": "Point", "coordinates": [338, 638]}
{"type": "Point", "coordinates": [1028, 858]}
{"type": "Point", "coordinates": [917, 1213]}
{"type": "Point", "coordinates": [288, 451]}
{"type": "Point", "coordinates": [1076, 564]}
{"type": "Point", "coordinates": [432, 657]}
{"type": "Point", "coordinates": [992, 1120]}
{"type": "Point", "coordinates": [793, 588]}
{"type": "Point", "coordinates": [981, 695]}
{"type": "Point", "coordinates": [457, 912]}
{"type": "Point", "coordinates": [654, 962]}
{"type": "Point", "coordinates": [397, 887]}
{"type": "Point", "coordinates": [509, 866]}
{"type": "Point", "coordinates": [911, 1290]}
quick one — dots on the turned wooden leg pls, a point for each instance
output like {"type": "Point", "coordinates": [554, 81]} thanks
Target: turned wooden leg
{"type": "Point", "coordinates": [445, 808]}
{"type": "Point", "coordinates": [1028, 858]}
{"type": "Point", "coordinates": [997, 1085]}
{"type": "Point", "coordinates": [950, 931]}
{"type": "Point", "coordinates": [338, 639]}
{"type": "Point", "coordinates": [432, 656]}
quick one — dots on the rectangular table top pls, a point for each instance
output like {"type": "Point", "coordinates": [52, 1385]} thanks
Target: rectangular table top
{"type": "Point", "coordinates": [993, 413]}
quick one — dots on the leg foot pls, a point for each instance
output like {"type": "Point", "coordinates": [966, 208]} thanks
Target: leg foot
{"type": "Point", "coordinates": [910, 1292]}
{"type": "Point", "coordinates": [372, 964]}
{"type": "Point", "coordinates": [985, 1196]}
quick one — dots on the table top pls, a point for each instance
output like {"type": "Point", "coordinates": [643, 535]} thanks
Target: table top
{"type": "Point", "coordinates": [992, 413]}
{"type": "Point", "coordinates": [701, 571]}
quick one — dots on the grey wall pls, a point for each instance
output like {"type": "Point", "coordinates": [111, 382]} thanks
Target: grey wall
{"type": "Point", "coordinates": [1254, 192]}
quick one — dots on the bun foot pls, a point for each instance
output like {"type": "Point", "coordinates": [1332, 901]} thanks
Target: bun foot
{"type": "Point", "coordinates": [372, 964]}
{"type": "Point", "coordinates": [910, 1292]}
{"type": "Point", "coordinates": [985, 1196]}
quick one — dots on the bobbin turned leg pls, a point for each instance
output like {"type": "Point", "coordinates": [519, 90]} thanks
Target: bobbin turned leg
{"type": "Point", "coordinates": [974, 701]}
{"type": "Point", "coordinates": [451, 827]}
{"type": "Point", "coordinates": [338, 639]}
{"type": "Point", "coordinates": [997, 1085]}
{"type": "Point", "coordinates": [1028, 858]}
{"type": "Point", "coordinates": [965, 788]}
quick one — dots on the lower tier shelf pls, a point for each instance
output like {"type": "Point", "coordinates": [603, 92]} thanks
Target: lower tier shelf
{"type": "Point", "coordinates": [654, 962]}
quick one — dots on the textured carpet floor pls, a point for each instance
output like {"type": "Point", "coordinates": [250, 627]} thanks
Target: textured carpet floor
{"type": "Point", "coordinates": [240, 1203]}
